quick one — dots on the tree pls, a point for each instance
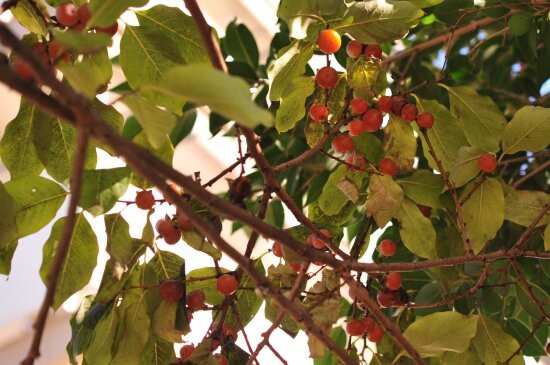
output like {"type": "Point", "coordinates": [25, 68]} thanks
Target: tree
{"type": "Point", "coordinates": [442, 145]}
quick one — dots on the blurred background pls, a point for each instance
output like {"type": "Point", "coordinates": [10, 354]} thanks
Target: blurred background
{"type": "Point", "coordinates": [22, 292]}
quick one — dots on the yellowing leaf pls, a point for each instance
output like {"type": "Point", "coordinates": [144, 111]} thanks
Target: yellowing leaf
{"type": "Point", "coordinates": [492, 344]}
{"type": "Point", "coordinates": [523, 206]}
{"type": "Point", "coordinates": [529, 130]}
{"type": "Point", "coordinates": [465, 167]}
{"type": "Point", "coordinates": [400, 143]}
{"type": "Point", "coordinates": [417, 231]}
{"type": "Point", "coordinates": [385, 198]}
{"type": "Point", "coordinates": [423, 187]}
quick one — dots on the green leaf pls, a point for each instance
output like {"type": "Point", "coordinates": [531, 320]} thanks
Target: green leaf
{"type": "Point", "coordinates": [106, 12]}
{"type": "Point", "coordinates": [425, 3]}
{"type": "Point", "coordinates": [314, 132]}
{"type": "Point", "coordinates": [26, 14]}
{"type": "Point", "coordinates": [440, 332]}
{"type": "Point", "coordinates": [247, 302]}
{"type": "Point", "coordinates": [465, 167]}
{"type": "Point", "coordinates": [369, 146]}
{"type": "Point", "coordinates": [400, 143]}
{"type": "Point", "coordinates": [112, 118]}
{"type": "Point", "coordinates": [526, 301]}
{"type": "Point", "coordinates": [292, 108]}
{"type": "Point", "coordinates": [492, 344]}
{"type": "Point", "coordinates": [101, 188]}
{"type": "Point", "coordinates": [166, 265]}
{"type": "Point", "coordinates": [379, 22]}
{"type": "Point", "coordinates": [99, 350]}
{"type": "Point", "coordinates": [79, 263]}
{"type": "Point", "coordinates": [226, 95]}
{"type": "Point", "coordinates": [180, 28]}
{"type": "Point", "coordinates": [446, 135]}
{"type": "Point", "coordinates": [483, 213]}
{"type": "Point", "coordinates": [158, 352]}
{"type": "Point", "coordinates": [366, 77]}
{"type": "Point", "coordinates": [520, 23]}
{"type": "Point", "coordinates": [17, 148]}
{"type": "Point", "coordinates": [145, 57]}
{"type": "Point", "coordinates": [200, 243]}
{"type": "Point", "coordinates": [184, 126]}
{"type": "Point", "coordinates": [241, 45]}
{"type": "Point", "coordinates": [417, 231]}
{"type": "Point", "coordinates": [208, 286]}
{"type": "Point", "coordinates": [82, 42]}
{"type": "Point", "coordinates": [59, 157]}
{"type": "Point", "coordinates": [164, 322]}
{"type": "Point", "coordinates": [385, 198]}
{"type": "Point", "coordinates": [547, 238]}
{"type": "Point", "coordinates": [523, 206]}
{"type": "Point", "coordinates": [423, 187]}
{"type": "Point", "coordinates": [6, 256]}
{"type": "Point", "coordinates": [37, 201]}
{"type": "Point", "coordinates": [119, 242]}
{"type": "Point", "coordinates": [165, 153]}
{"type": "Point", "coordinates": [481, 120]}
{"type": "Point", "coordinates": [453, 358]}
{"type": "Point", "coordinates": [529, 130]}
{"type": "Point", "coordinates": [290, 64]}
{"type": "Point", "coordinates": [333, 199]}
{"type": "Point", "coordinates": [8, 220]}
{"type": "Point", "coordinates": [89, 75]}
{"type": "Point", "coordinates": [156, 122]}
{"type": "Point", "coordinates": [83, 323]}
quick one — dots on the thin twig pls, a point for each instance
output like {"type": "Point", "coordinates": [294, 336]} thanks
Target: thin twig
{"type": "Point", "coordinates": [539, 169]}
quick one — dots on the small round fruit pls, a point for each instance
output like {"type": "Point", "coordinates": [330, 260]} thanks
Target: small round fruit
{"type": "Point", "coordinates": [384, 104]}
{"type": "Point", "coordinates": [354, 49]}
{"type": "Point", "coordinates": [227, 284]}
{"type": "Point", "coordinates": [172, 238]}
{"type": "Point", "coordinates": [376, 334]}
{"type": "Point", "coordinates": [356, 127]}
{"type": "Point", "coordinates": [327, 77]}
{"type": "Point", "coordinates": [23, 70]}
{"type": "Point", "coordinates": [373, 51]}
{"type": "Point", "coordinates": [229, 332]}
{"type": "Point", "coordinates": [110, 30]}
{"type": "Point", "coordinates": [369, 324]}
{"type": "Point", "coordinates": [342, 143]}
{"type": "Point", "coordinates": [40, 49]}
{"type": "Point", "coordinates": [318, 242]}
{"type": "Point", "coordinates": [171, 290]}
{"type": "Point", "coordinates": [487, 162]}
{"type": "Point", "coordinates": [329, 41]}
{"type": "Point", "coordinates": [67, 14]}
{"type": "Point", "coordinates": [318, 112]}
{"type": "Point", "coordinates": [393, 281]}
{"type": "Point", "coordinates": [164, 227]}
{"type": "Point", "coordinates": [385, 298]}
{"type": "Point", "coordinates": [55, 50]}
{"type": "Point", "coordinates": [425, 120]}
{"type": "Point", "coordinates": [84, 13]}
{"type": "Point", "coordinates": [397, 103]}
{"type": "Point", "coordinates": [186, 351]}
{"type": "Point", "coordinates": [184, 223]}
{"type": "Point", "coordinates": [359, 105]}
{"type": "Point", "coordinates": [426, 211]}
{"type": "Point", "coordinates": [195, 300]}
{"type": "Point", "coordinates": [296, 266]}
{"type": "Point", "coordinates": [223, 360]}
{"type": "Point", "coordinates": [145, 199]}
{"type": "Point", "coordinates": [387, 166]}
{"type": "Point", "coordinates": [357, 160]}
{"type": "Point", "coordinates": [277, 249]}
{"type": "Point", "coordinates": [373, 120]}
{"type": "Point", "coordinates": [409, 112]}
{"type": "Point", "coordinates": [387, 248]}
{"type": "Point", "coordinates": [355, 327]}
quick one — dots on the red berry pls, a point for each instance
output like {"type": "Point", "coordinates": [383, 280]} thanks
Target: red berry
{"type": "Point", "coordinates": [171, 290]}
{"type": "Point", "coordinates": [40, 49]}
{"type": "Point", "coordinates": [277, 249]}
{"type": "Point", "coordinates": [318, 112]}
{"type": "Point", "coordinates": [409, 112]}
{"type": "Point", "coordinates": [55, 51]}
{"type": "Point", "coordinates": [369, 324]}
{"type": "Point", "coordinates": [342, 143]}
{"type": "Point", "coordinates": [223, 360]}
{"type": "Point", "coordinates": [186, 351]}
{"type": "Point", "coordinates": [384, 104]}
{"type": "Point", "coordinates": [229, 332]}
{"type": "Point", "coordinates": [23, 70]}
{"type": "Point", "coordinates": [374, 51]}
{"type": "Point", "coordinates": [354, 49]}
{"type": "Point", "coordinates": [227, 284]}
{"type": "Point", "coordinates": [329, 41]}
{"type": "Point", "coordinates": [84, 14]}
{"type": "Point", "coordinates": [548, 348]}
{"type": "Point", "coordinates": [393, 281]}
{"type": "Point", "coordinates": [387, 248]}
{"type": "Point", "coordinates": [356, 127]}
{"type": "Point", "coordinates": [355, 327]}
{"type": "Point", "coordinates": [327, 77]}
{"type": "Point", "coordinates": [387, 166]}
{"type": "Point", "coordinates": [296, 266]}
{"type": "Point", "coordinates": [357, 160]}
{"type": "Point", "coordinates": [373, 120]}
{"type": "Point", "coordinates": [487, 162]}
{"type": "Point", "coordinates": [426, 211]}
{"type": "Point", "coordinates": [110, 30]}
{"type": "Point", "coordinates": [397, 103]}
{"type": "Point", "coordinates": [167, 231]}
{"type": "Point", "coordinates": [359, 105]}
{"type": "Point", "coordinates": [425, 120]}
{"type": "Point", "coordinates": [195, 300]}
{"type": "Point", "coordinates": [67, 14]}
{"type": "Point", "coordinates": [184, 223]}
{"type": "Point", "coordinates": [145, 199]}
{"type": "Point", "coordinates": [318, 242]}
{"type": "Point", "coordinates": [385, 299]}
{"type": "Point", "coordinates": [376, 334]}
